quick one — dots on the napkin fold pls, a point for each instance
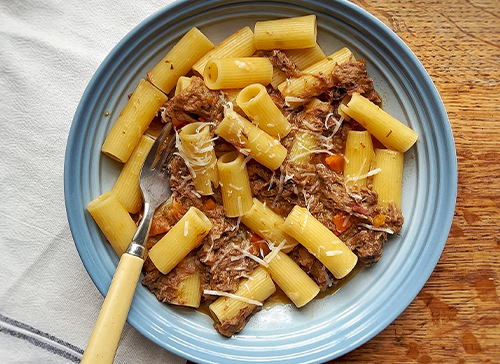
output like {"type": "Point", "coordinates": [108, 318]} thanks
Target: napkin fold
{"type": "Point", "coordinates": [49, 51]}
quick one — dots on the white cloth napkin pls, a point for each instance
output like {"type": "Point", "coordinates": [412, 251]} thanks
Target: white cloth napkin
{"type": "Point", "coordinates": [49, 50]}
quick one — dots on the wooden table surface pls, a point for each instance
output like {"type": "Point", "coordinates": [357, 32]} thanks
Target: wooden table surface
{"type": "Point", "coordinates": [456, 316]}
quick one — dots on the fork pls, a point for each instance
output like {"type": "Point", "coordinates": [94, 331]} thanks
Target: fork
{"type": "Point", "coordinates": [155, 186]}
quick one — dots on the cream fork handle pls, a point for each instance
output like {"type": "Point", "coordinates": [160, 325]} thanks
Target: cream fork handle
{"type": "Point", "coordinates": [103, 342]}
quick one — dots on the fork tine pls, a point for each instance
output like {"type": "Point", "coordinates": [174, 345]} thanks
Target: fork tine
{"type": "Point", "coordinates": [150, 159]}
{"type": "Point", "coordinates": [167, 152]}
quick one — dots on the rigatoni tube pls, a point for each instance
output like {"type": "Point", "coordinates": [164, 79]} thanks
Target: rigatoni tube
{"type": "Point", "coordinates": [239, 44]}
{"type": "Point", "coordinates": [320, 242]}
{"type": "Point", "coordinates": [252, 292]}
{"type": "Point", "coordinates": [188, 292]}
{"type": "Point", "coordinates": [287, 33]}
{"type": "Point", "coordinates": [235, 184]}
{"type": "Point", "coordinates": [223, 73]}
{"type": "Point", "coordinates": [197, 150]}
{"type": "Point", "coordinates": [179, 60]}
{"type": "Point", "coordinates": [388, 182]}
{"type": "Point", "coordinates": [298, 90]}
{"type": "Point", "coordinates": [303, 144]}
{"type": "Point", "coordinates": [182, 83]}
{"type": "Point", "coordinates": [302, 58]}
{"type": "Point", "coordinates": [184, 236]}
{"type": "Point", "coordinates": [113, 220]}
{"type": "Point", "coordinates": [358, 157]}
{"type": "Point", "coordinates": [133, 121]}
{"type": "Point", "coordinates": [261, 109]}
{"type": "Point", "coordinates": [388, 130]}
{"type": "Point", "coordinates": [251, 140]}
{"type": "Point", "coordinates": [126, 187]}
{"type": "Point", "coordinates": [267, 224]}
{"type": "Point", "coordinates": [292, 280]}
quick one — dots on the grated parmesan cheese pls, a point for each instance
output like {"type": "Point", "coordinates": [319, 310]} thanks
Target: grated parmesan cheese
{"type": "Point", "coordinates": [271, 183]}
{"type": "Point", "coordinates": [313, 151]}
{"type": "Point", "coordinates": [332, 253]}
{"type": "Point", "coordinates": [369, 174]}
{"type": "Point", "coordinates": [233, 296]}
{"type": "Point", "coordinates": [236, 187]}
{"type": "Point", "coordinates": [289, 99]}
{"type": "Point", "coordinates": [242, 65]}
{"type": "Point", "coordinates": [274, 251]}
{"type": "Point", "coordinates": [250, 255]}
{"type": "Point", "coordinates": [245, 161]}
{"type": "Point", "coordinates": [371, 227]}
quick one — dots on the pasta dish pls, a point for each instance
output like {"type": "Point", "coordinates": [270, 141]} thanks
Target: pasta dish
{"type": "Point", "coordinates": [287, 172]}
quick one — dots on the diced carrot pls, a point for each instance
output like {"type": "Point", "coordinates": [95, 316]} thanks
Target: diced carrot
{"type": "Point", "coordinates": [378, 220]}
{"type": "Point", "coordinates": [254, 238]}
{"type": "Point", "coordinates": [335, 162]}
{"type": "Point", "coordinates": [176, 210]}
{"type": "Point", "coordinates": [209, 204]}
{"type": "Point", "coordinates": [342, 222]}
{"type": "Point", "coordinates": [259, 245]}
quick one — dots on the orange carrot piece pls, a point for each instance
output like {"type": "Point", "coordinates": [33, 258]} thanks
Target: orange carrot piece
{"type": "Point", "coordinates": [378, 220]}
{"type": "Point", "coordinates": [335, 162]}
{"type": "Point", "coordinates": [342, 222]}
{"type": "Point", "coordinates": [209, 204]}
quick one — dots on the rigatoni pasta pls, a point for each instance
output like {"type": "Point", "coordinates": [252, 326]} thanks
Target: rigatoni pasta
{"type": "Point", "coordinates": [186, 235]}
{"type": "Point", "coordinates": [126, 187]}
{"type": "Point", "coordinates": [179, 60]}
{"type": "Point", "coordinates": [260, 108]}
{"type": "Point", "coordinates": [239, 44]}
{"type": "Point", "coordinates": [188, 292]}
{"type": "Point", "coordinates": [113, 220]}
{"type": "Point", "coordinates": [251, 293]}
{"type": "Point", "coordinates": [251, 140]}
{"type": "Point", "coordinates": [320, 241]}
{"type": "Point", "coordinates": [299, 90]}
{"type": "Point", "coordinates": [288, 33]}
{"type": "Point", "coordinates": [302, 58]}
{"type": "Point", "coordinates": [388, 181]}
{"type": "Point", "coordinates": [358, 157]}
{"type": "Point", "coordinates": [387, 129]}
{"type": "Point", "coordinates": [303, 144]}
{"type": "Point", "coordinates": [235, 185]}
{"type": "Point", "coordinates": [266, 223]}
{"type": "Point", "coordinates": [221, 73]}
{"type": "Point", "coordinates": [197, 149]}
{"type": "Point", "coordinates": [293, 281]}
{"type": "Point", "coordinates": [133, 121]}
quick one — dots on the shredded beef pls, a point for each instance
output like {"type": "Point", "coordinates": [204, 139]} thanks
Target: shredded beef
{"type": "Point", "coordinates": [323, 192]}
{"type": "Point", "coordinates": [313, 267]}
{"type": "Point", "coordinates": [366, 244]}
{"type": "Point", "coordinates": [231, 326]}
{"type": "Point", "coordinates": [353, 77]}
{"type": "Point", "coordinates": [195, 101]}
{"type": "Point", "coordinates": [280, 60]}
{"type": "Point", "coordinates": [164, 286]}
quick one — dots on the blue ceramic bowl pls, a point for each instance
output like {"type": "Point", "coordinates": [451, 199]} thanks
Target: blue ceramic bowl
{"type": "Point", "coordinates": [327, 327]}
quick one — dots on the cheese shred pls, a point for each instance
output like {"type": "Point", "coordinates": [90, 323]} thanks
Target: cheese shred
{"type": "Point", "coordinates": [233, 296]}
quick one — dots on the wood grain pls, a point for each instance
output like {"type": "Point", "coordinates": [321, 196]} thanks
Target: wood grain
{"type": "Point", "coordinates": [456, 316]}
